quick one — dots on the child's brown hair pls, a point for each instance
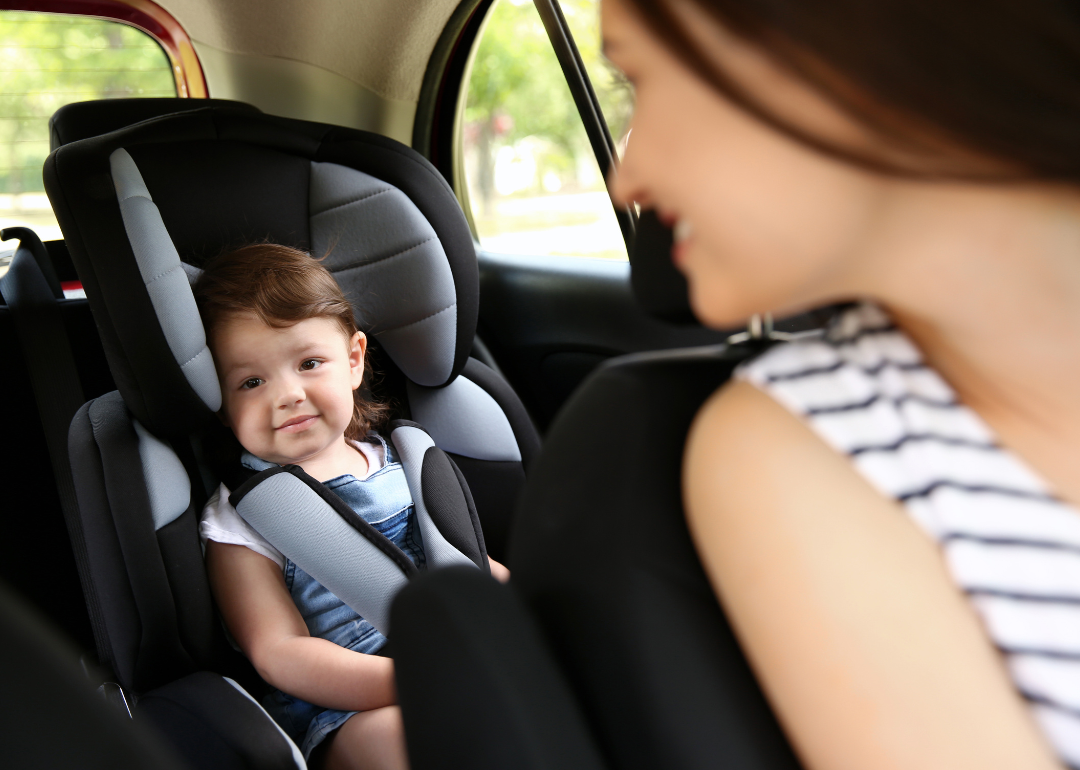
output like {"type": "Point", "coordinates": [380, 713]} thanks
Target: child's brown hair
{"type": "Point", "coordinates": [282, 286]}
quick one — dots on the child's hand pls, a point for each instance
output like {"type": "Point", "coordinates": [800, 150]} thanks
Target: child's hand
{"type": "Point", "coordinates": [499, 571]}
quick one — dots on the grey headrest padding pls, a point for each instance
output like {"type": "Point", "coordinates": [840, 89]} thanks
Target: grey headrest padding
{"type": "Point", "coordinates": [285, 511]}
{"type": "Point", "coordinates": [391, 265]}
{"type": "Point", "coordinates": [165, 278]}
{"type": "Point", "coordinates": [167, 482]}
{"type": "Point", "coordinates": [297, 757]}
{"type": "Point", "coordinates": [412, 444]}
{"type": "Point", "coordinates": [464, 419]}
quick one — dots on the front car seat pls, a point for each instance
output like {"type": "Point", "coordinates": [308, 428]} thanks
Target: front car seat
{"type": "Point", "coordinates": [606, 579]}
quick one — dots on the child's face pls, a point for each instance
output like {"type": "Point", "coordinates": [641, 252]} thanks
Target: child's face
{"type": "Point", "coordinates": [288, 393]}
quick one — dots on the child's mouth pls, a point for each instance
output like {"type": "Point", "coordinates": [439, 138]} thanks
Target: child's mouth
{"type": "Point", "coordinates": [297, 424]}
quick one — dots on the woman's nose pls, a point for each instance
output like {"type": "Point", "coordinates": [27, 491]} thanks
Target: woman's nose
{"type": "Point", "coordinates": [624, 182]}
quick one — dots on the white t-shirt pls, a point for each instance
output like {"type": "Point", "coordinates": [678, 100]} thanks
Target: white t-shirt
{"type": "Point", "coordinates": [221, 523]}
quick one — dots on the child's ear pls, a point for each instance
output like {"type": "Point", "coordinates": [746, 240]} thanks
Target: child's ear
{"type": "Point", "coordinates": [357, 351]}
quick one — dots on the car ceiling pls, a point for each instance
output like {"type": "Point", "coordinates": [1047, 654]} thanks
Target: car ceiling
{"type": "Point", "coordinates": [378, 48]}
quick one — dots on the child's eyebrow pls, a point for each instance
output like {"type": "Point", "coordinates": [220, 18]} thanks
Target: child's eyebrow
{"type": "Point", "coordinates": [235, 366]}
{"type": "Point", "coordinates": [308, 346]}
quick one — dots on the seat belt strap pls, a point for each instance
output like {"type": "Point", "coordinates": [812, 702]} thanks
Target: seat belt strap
{"type": "Point", "coordinates": [320, 533]}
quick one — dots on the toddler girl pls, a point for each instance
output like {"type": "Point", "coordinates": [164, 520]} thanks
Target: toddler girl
{"type": "Point", "coordinates": [290, 361]}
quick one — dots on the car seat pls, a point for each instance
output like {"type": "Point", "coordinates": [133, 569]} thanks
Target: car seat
{"type": "Point", "coordinates": [49, 718]}
{"type": "Point", "coordinates": [608, 596]}
{"type": "Point", "coordinates": [141, 208]}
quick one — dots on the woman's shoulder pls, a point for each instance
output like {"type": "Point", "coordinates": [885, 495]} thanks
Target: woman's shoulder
{"type": "Point", "coordinates": [790, 417]}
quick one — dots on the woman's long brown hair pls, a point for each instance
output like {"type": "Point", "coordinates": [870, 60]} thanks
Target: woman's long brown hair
{"type": "Point", "coordinates": [996, 79]}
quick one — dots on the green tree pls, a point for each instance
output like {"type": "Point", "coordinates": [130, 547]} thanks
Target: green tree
{"type": "Point", "coordinates": [47, 61]}
{"type": "Point", "coordinates": [517, 89]}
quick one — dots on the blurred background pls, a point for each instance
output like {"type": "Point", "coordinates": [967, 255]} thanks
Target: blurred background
{"type": "Point", "coordinates": [47, 61]}
{"type": "Point", "coordinates": [533, 183]}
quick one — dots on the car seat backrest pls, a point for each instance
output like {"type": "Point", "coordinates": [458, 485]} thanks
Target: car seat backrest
{"type": "Point", "coordinates": [604, 560]}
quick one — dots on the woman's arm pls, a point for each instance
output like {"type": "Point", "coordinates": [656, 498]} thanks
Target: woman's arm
{"type": "Point", "coordinates": [250, 591]}
{"type": "Point", "coordinates": [869, 654]}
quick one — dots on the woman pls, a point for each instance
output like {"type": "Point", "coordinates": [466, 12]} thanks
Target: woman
{"type": "Point", "coordinates": [890, 515]}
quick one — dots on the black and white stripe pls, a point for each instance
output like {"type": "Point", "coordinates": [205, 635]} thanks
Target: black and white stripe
{"type": "Point", "coordinates": [1008, 542]}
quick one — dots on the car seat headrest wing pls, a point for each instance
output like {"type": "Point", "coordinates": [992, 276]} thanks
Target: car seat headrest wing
{"type": "Point", "coordinates": [165, 279]}
{"type": "Point", "coordinates": [373, 236]}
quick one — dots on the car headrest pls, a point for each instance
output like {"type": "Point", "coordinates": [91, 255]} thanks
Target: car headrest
{"type": "Point", "coordinates": [81, 120]}
{"type": "Point", "coordinates": [143, 207]}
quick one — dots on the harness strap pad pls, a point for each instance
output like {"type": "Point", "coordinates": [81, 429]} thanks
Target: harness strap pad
{"type": "Point", "coordinates": [412, 444]}
{"type": "Point", "coordinates": [319, 532]}
{"type": "Point", "coordinates": [315, 529]}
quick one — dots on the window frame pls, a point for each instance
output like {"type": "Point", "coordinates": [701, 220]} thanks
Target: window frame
{"type": "Point", "coordinates": [441, 106]}
{"type": "Point", "coordinates": [147, 17]}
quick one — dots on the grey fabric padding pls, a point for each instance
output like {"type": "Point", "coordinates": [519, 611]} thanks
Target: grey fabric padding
{"type": "Point", "coordinates": [424, 351]}
{"type": "Point", "coordinates": [127, 179]}
{"type": "Point", "coordinates": [298, 523]}
{"type": "Point", "coordinates": [166, 279]}
{"type": "Point", "coordinates": [298, 757]}
{"type": "Point", "coordinates": [391, 265]}
{"type": "Point", "coordinates": [167, 482]}
{"type": "Point", "coordinates": [465, 420]}
{"type": "Point", "coordinates": [193, 272]}
{"type": "Point", "coordinates": [411, 445]}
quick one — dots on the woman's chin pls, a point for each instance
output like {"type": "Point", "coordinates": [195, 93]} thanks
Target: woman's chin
{"type": "Point", "coordinates": [723, 313]}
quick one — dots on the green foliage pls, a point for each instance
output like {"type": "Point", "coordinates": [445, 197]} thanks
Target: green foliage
{"type": "Point", "coordinates": [612, 90]}
{"type": "Point", "coordinates": [517, 88]}
{"type": "Point", "coordinates": [48, 61]}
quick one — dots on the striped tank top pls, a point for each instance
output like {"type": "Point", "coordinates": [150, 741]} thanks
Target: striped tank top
{"type": "Point", "coordinates": [1009, 543]}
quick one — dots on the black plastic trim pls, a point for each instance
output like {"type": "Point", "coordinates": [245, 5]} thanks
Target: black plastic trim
{"type": "Point", "coordinates": [577, 78]}
{"type": "Point", "coordinates": [441, 86]}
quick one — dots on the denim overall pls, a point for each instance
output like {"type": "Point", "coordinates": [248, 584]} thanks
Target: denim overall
{"type": "Point", "coordinates": [383, 500]}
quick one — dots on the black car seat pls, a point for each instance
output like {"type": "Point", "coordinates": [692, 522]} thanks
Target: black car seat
{"type": "Point", "coordinates": [141, 208]}
{"type": "Point", "coordinates": [608, 598]}
{"type": "Point", "coordinates": [53, 357]}
{"type": "Point", "coordinates": [49, 718]}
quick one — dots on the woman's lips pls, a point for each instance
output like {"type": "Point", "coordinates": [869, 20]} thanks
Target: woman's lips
{"type": "Point", "coordinates": [297, 424]}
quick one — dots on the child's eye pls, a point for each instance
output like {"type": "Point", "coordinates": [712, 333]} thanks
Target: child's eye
{"type": "Point", "coordinates": [310, 364]}
{"type": "Point", "coordinates": [251, 382]}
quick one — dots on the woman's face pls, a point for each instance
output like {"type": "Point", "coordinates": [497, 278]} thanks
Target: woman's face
{"type": "Point", "coordinates": [762, 223]}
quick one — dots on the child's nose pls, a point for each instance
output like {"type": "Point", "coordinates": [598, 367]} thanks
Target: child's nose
{"type": "Point", "coordinates": [290, 394]}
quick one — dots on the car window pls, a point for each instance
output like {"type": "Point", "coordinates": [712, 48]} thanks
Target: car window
{"type": "Point", "coordinates": [534, 186]}
{"type": "Point", "coordinates": [47, 61]}
{"type": "Point", "coordinates": [614, 92]}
